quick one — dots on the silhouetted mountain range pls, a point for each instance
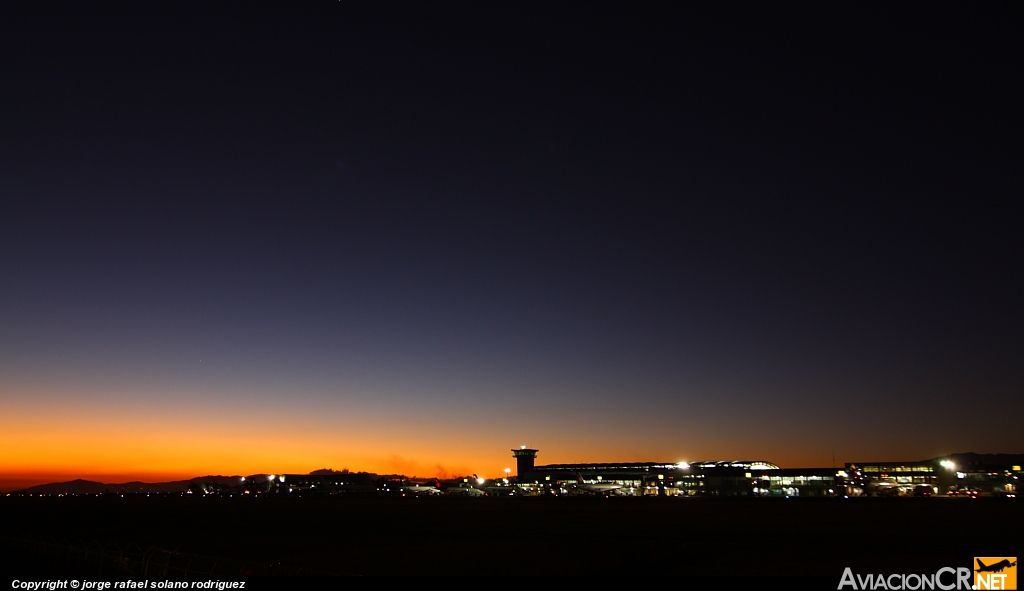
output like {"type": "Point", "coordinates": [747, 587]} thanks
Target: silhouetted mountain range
{"type": "Point", "coordinates": [80, 486]}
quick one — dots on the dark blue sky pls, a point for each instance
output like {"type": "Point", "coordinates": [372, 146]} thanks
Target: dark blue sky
{"type": "Point", "coordinates": [639, 232]}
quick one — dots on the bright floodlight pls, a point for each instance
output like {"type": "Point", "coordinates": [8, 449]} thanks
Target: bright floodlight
{"type": "Point", "coordinates": [683, 466]}
{"type": "Point", "coordinates": [479, 480]}
{"type": "Point", "coordinates": [947, 464]}
{"type": "Point", "coordinates": [522, 447]}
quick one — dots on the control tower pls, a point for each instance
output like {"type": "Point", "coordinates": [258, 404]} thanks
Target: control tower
{"type": "Point", "coordinates": [524, 461]}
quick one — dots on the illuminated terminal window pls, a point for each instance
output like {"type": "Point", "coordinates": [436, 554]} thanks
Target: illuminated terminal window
{"type": "Point", "coordinates": [893, 468]}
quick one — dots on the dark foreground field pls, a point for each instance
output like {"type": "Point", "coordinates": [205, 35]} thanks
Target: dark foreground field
{"type": "Point", "coordinates": [587, 536]}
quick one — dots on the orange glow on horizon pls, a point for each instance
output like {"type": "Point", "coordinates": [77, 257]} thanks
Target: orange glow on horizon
{"type": "Point", "coordinates": [62, 434]}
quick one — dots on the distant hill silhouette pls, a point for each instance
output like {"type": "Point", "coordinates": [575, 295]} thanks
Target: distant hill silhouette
{"type": "Point", "coordinates": [77, 486]}
{"type": "Point", "coordinates": [80, 486]}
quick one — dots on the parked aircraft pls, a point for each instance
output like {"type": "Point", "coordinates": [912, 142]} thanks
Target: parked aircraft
{"type": "Point", "coordinates": [423, 489]}
{"type": "Point", "coordinates": [603, 488]}
{"type": "Point", "coordinates": [882, 487]}
{"type": "Point", "coordinates": [464, 490]}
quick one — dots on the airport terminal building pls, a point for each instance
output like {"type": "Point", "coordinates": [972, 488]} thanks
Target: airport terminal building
{"type": "Point", "coordinates": [704, 478]}
{"type": "Point", "coordinates": [996, 474]}
{"type": "Point", "coordinates": [987, 474]}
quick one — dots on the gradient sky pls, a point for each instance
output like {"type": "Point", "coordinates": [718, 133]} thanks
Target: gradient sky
{"type": "Point", "coordinates": [276, 239]}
